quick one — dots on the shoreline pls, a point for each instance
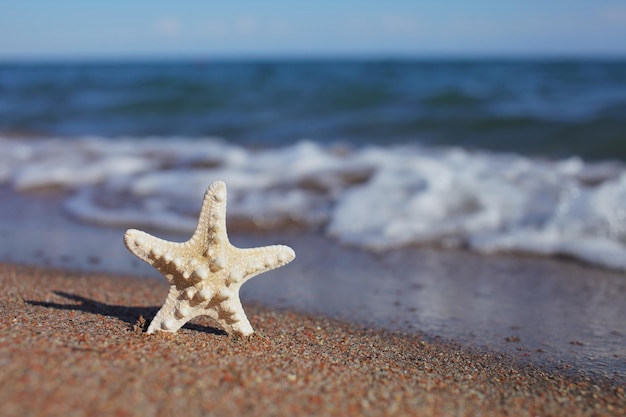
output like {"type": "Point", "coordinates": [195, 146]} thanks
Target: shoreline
{"type": "Point", "coordinates": [71, 345]}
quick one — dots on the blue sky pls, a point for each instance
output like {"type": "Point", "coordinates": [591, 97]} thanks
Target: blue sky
{"type": "Point", "coordinates": [204, 28]}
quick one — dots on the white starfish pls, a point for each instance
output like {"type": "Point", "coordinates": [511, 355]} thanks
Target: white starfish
{"type": "Point", "coordinates": [206, 272]}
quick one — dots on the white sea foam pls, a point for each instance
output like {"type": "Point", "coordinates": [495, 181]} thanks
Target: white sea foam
{"type": "Point", "coordinates": [375, 197]}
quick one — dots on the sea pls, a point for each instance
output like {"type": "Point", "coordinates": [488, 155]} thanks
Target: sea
{"type": "Point", "coordinates": [509, 155]}
{"type": "Point", "coordinates": [478, 200]}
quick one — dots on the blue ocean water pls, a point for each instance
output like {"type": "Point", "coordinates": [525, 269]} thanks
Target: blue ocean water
{"type": "Point", "coordinates": [554, 108]}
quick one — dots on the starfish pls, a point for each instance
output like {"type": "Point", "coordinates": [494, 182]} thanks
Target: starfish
{"type": "Point", "coordinates": [206, 272]}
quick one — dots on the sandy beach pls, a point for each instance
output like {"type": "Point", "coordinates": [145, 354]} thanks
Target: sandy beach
{"type": "Point", "coordinates": [72, 344]}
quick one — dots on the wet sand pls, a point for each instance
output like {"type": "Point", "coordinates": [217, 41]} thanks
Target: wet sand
{"type": "Point", "coordinates": [72, 344]}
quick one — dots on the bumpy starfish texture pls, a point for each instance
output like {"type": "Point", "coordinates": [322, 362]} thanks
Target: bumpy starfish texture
{"type": "Point", "coordinates": [206, 272]}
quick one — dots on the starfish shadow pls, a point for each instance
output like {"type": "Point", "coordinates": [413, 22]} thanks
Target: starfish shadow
{"type": "Point", "coordinates": [128, 314]}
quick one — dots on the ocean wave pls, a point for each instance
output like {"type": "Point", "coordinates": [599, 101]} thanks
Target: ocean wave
{"type": "Point", "coordinates": [374, 197]}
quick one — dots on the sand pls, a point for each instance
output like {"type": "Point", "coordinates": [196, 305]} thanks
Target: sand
{"type": "Point", "coordinates": [72, 344]}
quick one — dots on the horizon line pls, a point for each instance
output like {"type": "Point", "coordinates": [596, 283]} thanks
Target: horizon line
{"type": "Point", "coordinates": [298, 56]}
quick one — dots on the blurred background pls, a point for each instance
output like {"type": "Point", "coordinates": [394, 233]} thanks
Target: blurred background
{"type": "Point", "coordinates": [488, 126]}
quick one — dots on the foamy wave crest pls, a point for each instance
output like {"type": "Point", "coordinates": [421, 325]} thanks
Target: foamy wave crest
{"type": "Point", "coordinates": [374, 197]}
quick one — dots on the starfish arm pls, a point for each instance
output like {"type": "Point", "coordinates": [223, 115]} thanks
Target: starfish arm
{"type": "Point", "coordinates": [232, 318]}
{"type": "Point", "coordinates": [149, 248]}
{"type": "Point", "coordinates": [255, 261]}
{"type": "Point", "coordinates": [169, 317]}
{"type": "Point", "coordinates": [211, 228]}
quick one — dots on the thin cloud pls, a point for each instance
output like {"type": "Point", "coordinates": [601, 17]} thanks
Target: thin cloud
{"type": "Point", "coordinates": [244, 27]}
{"type": "Point", "coordinates": [614, 14]}
{"type": "Point", "coordinates": [397, 24]}
{"type": "Point", "coordinates": [168, 26]}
